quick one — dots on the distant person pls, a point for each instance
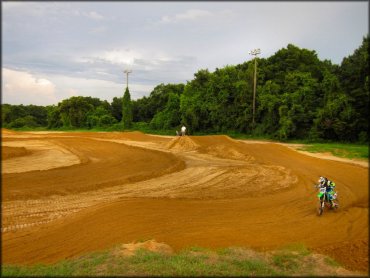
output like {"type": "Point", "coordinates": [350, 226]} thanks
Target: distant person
{"type": "Point", "coordinates": [183, 130]}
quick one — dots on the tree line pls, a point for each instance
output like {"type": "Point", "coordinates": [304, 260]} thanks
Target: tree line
{"type": "Point", "coordinates": [298, 97]}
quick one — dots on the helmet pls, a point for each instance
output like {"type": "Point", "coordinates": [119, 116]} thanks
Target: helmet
{"type": "Point", "coordinates": [322, 180]}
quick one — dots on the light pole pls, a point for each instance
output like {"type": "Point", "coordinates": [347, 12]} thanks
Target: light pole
{"type": "Point", "coordinates": [254, 52]}
{"type": "Point", "coordinates": [127, 73]}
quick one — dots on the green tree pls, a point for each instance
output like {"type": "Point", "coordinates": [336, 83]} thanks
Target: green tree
{"type": "Point", "coordinates": [126, 109]}
{"type": "Point", "coordinates": [303, 100]}
{"type": "Point", "coordinates": [170, 117]}
{"type": "Point", "coordinates": [6, 114]}
{"type": "Point", "coordinates": [73, 111]}
{"type": "Point", "coordinates": [193, 102]}
{"type": "Point", "coordinates": [53, 118]}
{"type": "Point", "coordinates": [298, 96]}
{"type": "Point", "coordinates": [354, 76]}
{"type": "Point", "coordinates": [141, 111]}
{"type": "Point", "coordinates": [27, 121]}
{"type": "Point", "coordinates": [117, 108]}
{"type": "Point", "coordinates": [100, 117]}
{"type": "Point", "coordinates": [19, 115]}
{"type": "Point", "coordinates": [269, 101]}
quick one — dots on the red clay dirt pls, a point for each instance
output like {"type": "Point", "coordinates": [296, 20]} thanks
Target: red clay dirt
{"type": "Point", "coordinates": [208, 191]}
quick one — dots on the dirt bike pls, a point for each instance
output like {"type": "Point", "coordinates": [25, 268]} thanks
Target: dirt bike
{"type": "Point", "coordinates": [325, 201]}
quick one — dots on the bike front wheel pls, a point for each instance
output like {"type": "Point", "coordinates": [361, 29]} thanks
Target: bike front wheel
{"type": "Point", "coordinates": [320, 208]}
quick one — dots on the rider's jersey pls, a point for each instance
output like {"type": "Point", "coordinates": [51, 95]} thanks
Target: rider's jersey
{"type": "Point", "coordinates": [329, 185]}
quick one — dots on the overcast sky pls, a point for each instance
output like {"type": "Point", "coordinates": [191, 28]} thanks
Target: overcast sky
{"type": "Point", "coordinates": [54, 50]}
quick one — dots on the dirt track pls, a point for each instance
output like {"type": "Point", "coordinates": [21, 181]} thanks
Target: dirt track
{"type": "Point", "coordinates": [208, 191]}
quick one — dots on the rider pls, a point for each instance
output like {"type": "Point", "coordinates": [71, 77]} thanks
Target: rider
{"type": "Point", "coordinates": [330, 186]}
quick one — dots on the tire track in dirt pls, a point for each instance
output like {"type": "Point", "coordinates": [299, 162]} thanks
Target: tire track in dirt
{"type": "Point", "coordinates": [228, 193]}
{"type": "Point", "coordinates": [203, 174]}
{"type": "Point", "coordinates": [32, 211]}
{"type": "Point", "coordinates": [106, 165]}
{"type": "Point", "coordinates": [44, 155]}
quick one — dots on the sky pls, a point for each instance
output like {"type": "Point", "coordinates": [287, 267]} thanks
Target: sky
{"type": "Point", "coordinates": [55, 50]}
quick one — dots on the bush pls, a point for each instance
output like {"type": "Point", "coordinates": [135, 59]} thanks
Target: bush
{"type": "Point", "coordinates": [27, 121]}
{"type": "Point", "coordinates": [363, 137]}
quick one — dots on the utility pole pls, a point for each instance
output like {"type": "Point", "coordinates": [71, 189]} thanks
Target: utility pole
{"type": "Point", "coordinates": [254, 52]}
{"type": "Point", "coordinates": [127, 73]}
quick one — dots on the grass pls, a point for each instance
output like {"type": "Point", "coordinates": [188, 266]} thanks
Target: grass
{"type": "Point", "coordinates": [331, 262]}
{"type": "Point", "coordinates": [194, 261]}
{"type": "Point", "coordinates": [143, 127]}
{"type": "Point", "coordinates": [339, 149]}
{"type": "Point", "coordinates": [290, 257]}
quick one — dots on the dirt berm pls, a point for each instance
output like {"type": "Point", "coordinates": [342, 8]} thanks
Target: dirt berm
{"type": "Point", "coordinates": [208, 191]}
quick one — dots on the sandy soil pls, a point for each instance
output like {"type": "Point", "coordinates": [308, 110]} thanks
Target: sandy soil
{"type": "Point", "coordinates": [208, 191]}
{"type": "Point", "coordinates": [10, 152]}
{"type": "Point", "coordinates": [39, 155]}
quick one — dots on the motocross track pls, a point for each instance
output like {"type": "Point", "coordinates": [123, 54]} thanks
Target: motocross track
{"type": "Point", "coordinates": [65, 194]}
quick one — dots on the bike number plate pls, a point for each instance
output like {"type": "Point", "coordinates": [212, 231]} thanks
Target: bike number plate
{"type": "Point", "coordinates": [323, 190]}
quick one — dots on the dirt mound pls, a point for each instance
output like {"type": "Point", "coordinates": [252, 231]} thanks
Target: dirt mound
{"type": "Point", "coordinates": [130, 249]}
{"type": "Point", "coordinates": [182, 143]}
{"type": "Point", "coordinates": [223, 146]}
{"type": "Point", "coordinates": [40, 155]}
{"type": "Point", "coordinates": [353, 254]}
{"type": "Point", "coordinates": [123, 193]}
{"type": "Point", "coordinates": [217, 145]}
{"type": "Point", "coordinates": [10, 152]}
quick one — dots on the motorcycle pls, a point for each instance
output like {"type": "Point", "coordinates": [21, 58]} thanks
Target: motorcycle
{"type": "Point", "coordinates": [325, 201]}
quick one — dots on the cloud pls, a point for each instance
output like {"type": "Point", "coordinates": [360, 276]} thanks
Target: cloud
{"type": "Point", "coordinates": [32, 9]}
{"type": "Point", "coordinates": [114, 56]}
{"type": "Point", "coordinates": [102, 89]}
{"type": "Point", "coordinates": [117, 56]}
{"type": "Point", "coordinates": [162, 42]}
{"type": "Point", "coordinates": [72, 92]}
{"type": "Point", "coordinates": [50, 9]}
{"type": "Point", "coordinates": [189, 15]}
{"type": "Point", "coordinates": [25, 88]}
{"type": "Point", "coordinates": [93, 15]}
{"type": "Point", "coordinates": [22, 87]}
{"type": "Point", "coordinates": [196, 15]}
{"type": "Point", "coordinates": [98, 30]}
{"type": "Point", "coordinates": [8, 5]}
{"type": "Point", "coordinates": [148, 67]}
{"type": "Point", "coordinates": [112, 62]}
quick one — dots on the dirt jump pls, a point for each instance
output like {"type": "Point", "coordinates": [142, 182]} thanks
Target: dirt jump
{"type": "Point", "coordinates": [68, 193]}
